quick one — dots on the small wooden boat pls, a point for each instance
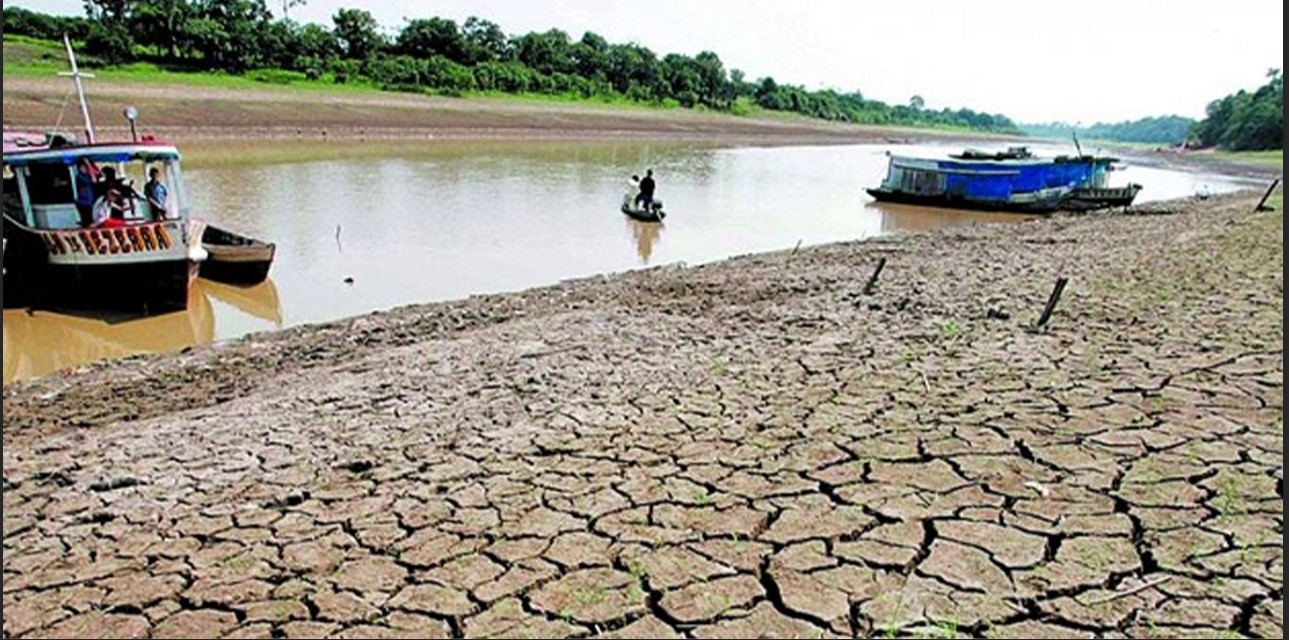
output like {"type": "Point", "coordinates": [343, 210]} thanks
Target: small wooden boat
{"type": "Point", "coordinates": [1090, 198]}
{"type": "Point", "coordinates": [653, 214]}
{"type": "Point", "coordinates": [234, 258]}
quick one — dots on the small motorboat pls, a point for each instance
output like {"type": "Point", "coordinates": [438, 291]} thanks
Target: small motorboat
{"type": "Point", "coordinates": [234, 258]}
{"type": "Point", "coordinates": [654, 213]}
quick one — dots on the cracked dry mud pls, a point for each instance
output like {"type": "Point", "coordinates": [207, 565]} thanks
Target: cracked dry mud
{"type": "Point", "coordinates": [748, 449]}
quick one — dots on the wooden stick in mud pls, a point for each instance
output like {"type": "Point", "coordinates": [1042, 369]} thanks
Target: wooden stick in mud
{"type": "Point", "coordinates": [1051, 303]}
{"type": "Point", "coordinates": [872, 280]}
{"type": "Point", "coordinates": [1262, 203]}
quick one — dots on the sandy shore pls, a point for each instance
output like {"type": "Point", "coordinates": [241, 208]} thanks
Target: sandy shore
{"type": "Point", "coordinates": [751, 447]}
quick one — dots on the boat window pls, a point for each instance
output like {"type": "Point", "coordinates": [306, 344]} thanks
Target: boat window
{"type": "Point", "coordinates": [134, 173]}
{"type": "Point", "coordinates": [175, 183]}
{"type": "Point", "coordinates": [12, 198]}
{"type": "Point", "coordinates": [50, 184]}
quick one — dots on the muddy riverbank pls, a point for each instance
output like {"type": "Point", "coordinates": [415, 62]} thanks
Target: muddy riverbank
{"type": "Point", "coordinates": [187, 113]}
{"type": "Point", "coordinates": [756, 446]}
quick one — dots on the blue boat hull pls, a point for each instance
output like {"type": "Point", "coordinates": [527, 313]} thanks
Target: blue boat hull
{"type": "Point", "coordinates": [950, 201]}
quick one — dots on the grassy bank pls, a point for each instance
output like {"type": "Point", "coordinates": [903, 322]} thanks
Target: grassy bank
{"type": "Point", "coordinates": [1273, 158]}
{"type": "Point", "coordinates": [31, 65]}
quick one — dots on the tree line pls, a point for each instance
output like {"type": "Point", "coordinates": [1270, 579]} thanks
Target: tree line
{"type": "Point", "coordinates": [1245, 121]}
{"type": "Point", "coordinates": [1242, 121]}
{"type": "Point", "coordinates": [438, 55]}
{"type": "Point", "coordinates": [1169, 130]}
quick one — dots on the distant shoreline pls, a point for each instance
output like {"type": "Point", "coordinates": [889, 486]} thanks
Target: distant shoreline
{"type": "Point", "coordinates": [188, 111]}
{"type": "Point", "coordinates": [199, 118]}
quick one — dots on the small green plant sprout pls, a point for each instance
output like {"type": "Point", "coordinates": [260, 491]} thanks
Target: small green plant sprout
{"type": "Point", "coordinates": [950, 329]}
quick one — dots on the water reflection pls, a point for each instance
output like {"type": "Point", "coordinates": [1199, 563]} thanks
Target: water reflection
{"type": "Point", "coordinates": [37, 342]}
{"type": "Point", "coordinates": [910, 218]}
{"type": "Point", "coordinates": [423, 221]}
{"type": "Point", "coordinates": [260, 301]}
{"type": "Point", "coordinates": [646, 234]}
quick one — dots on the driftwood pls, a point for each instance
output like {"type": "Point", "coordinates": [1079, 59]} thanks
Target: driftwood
{"type": "Point", "coordinates": [1051, 303]}
{"type": "Point", "coordinates": [872, 280]}
{"type": "Point", "coordinates": [1262, 204]}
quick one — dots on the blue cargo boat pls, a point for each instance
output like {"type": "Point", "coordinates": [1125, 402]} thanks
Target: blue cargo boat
{"type": "Point", "coordinates": [1012, 180]}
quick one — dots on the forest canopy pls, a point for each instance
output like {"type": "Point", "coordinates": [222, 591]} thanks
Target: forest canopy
{"type": "Point", "coordinates": [1245, 121]}
{"type": "Point", "coordinates": [438, 55]}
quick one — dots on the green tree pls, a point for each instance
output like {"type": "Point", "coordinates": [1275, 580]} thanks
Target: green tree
{"type": "Point", "coordinates": [1246, 121]}
{"type": "Point", "coordinates": [423, 38]}
{"type": "Point", "coordinates": [358, 33]}
{"type": "Point", "coordinates": [114, 12]}
{"type": "Point", "coordinates": [318, 42]}
{"type": "Point", "coordinates": [715, 89]}
{"type": "Point", "coordinates": [683, 81]}
{"type": "Point", "coordinates": [230, 34]}
{"type": "Point", "coordinates": [634, 71]}
{"type": "Point", "coordinates": [110, 41]}
{"type": "Point", "coordinates": [591, 57]}
{"type": "Point", "coordinates": [161, 24]}
{"type": "Point", "coordinates": [109, 36]}
{"type": "Point", "coordinates": [484, 40]}
{"type": "Point", "coordinates": [548, 52]}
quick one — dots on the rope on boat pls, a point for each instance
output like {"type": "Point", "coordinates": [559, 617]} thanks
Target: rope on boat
{"type": "Point", "coordinates": [66, 98]}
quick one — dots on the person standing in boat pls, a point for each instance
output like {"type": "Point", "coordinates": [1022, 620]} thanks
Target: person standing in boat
{"type": "Point", "coordinates": [155, 191]}
{"type": "Point", "coordinates": [633, 191]}
{"type": "Point", "coordinates": [645, 199]}
{"type": "Point", "coordinates": [85, 188]}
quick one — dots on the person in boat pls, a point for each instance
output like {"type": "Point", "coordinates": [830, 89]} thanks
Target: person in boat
{"type": "Point", "coordinates": [155, 191]}
{"type": "Point", "coordinates": [644, 201]}
{"type": "Point", "coordinates": [633, 189]}
{"type": "Point", "coordinates": [86, 177]}
{"type": "Point", "coordinates": [110, 210]}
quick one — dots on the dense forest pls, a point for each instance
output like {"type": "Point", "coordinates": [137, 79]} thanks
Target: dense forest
{"type": "Point", "coordinates": [1242, 121]}
{"type": "Point", "coordinates": [439, 56]}
{"type": "Point", "coordinates": [1246, 121]}
{"type": "Point", "coordinates": [1169, 130]}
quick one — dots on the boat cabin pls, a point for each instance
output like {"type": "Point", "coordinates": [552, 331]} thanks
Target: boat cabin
{"type": "Point", "coordinates": [42, 189]}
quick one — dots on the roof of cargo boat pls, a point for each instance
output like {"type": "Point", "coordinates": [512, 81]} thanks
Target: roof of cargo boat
{"type": "Point", "coordinates": [23, 148]}
{"type": "Point", "coordinates": [951, 162]}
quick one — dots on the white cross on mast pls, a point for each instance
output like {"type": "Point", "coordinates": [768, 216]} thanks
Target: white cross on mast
{"type": "Point", "coordinates": [76, 75]}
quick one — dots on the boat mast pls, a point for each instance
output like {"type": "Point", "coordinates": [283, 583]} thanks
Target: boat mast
{"type": "Point", "coordinates": [76, 75]}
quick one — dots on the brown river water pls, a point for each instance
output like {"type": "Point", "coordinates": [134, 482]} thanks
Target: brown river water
{"type": "Point", "coordinates": [448, 220]}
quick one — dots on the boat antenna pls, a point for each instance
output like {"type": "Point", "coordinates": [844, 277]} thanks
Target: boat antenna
{"type": "Point", "coordinates": [76, 76]}
{"type": "Point", "coordinates": [1075, 135]}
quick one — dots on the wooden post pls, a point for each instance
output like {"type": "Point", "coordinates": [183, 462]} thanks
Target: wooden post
{"type": "Point", "coordinates": [1051, 304]}
{"type": "Point", "coordinates": [872, 280]}
{"type": "Point", "coordinates": [1262, 203]}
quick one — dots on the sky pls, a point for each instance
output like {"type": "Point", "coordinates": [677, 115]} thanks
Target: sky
{"type": "Point", "coordinates": [1033, 61]}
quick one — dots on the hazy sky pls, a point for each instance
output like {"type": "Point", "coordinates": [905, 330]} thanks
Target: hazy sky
{"type": "Point", "coordinates": [1034, 61]}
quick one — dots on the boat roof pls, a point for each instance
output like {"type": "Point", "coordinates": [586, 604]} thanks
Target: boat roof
{"type": "Point", "coordinates": [24, 148]}
{"type": "Point", "coordinates": [1008, 162]}
{"type": "Point", "coordinates": [15, 141]}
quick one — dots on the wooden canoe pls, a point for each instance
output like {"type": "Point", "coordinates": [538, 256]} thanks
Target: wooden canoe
{"type": "Point", "coordinates": [233, 258]}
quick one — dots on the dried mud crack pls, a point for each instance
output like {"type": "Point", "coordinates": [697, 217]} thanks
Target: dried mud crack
{"type": "Point", "coordinates": [755, 448]}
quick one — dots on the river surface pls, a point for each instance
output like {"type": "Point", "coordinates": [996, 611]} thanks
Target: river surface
{"type": "Point", "coordinates": [454, 219]}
